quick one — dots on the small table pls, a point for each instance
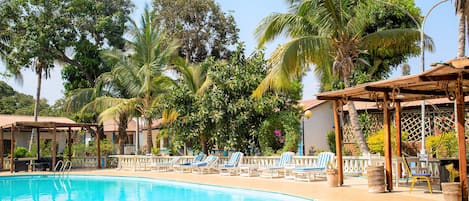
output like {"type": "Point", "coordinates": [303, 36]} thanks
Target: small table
{"type": "Point", "coordinates": [248, 170]}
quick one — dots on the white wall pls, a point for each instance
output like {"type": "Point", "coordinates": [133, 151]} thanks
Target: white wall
{"type": "Point", "coordinates": [316, 127]}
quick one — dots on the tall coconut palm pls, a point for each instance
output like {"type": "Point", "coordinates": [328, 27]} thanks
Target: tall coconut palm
{"type": "Point", "coordinates": [330, 34]}
{"type": "Point", "coordinates": [462, 10]}
{"type": "Point", "coordinates": [142, 72]}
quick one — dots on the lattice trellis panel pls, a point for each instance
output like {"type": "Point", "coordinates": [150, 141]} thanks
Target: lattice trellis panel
{"type": "Point", "coordinates": [411, 122]}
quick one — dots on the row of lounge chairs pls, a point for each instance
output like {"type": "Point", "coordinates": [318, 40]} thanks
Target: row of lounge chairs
{"type": "Point", "coordinates": [283, 167]}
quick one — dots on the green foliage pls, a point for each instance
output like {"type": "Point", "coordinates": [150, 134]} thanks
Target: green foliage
{"type": "Point", "coordinates": [225, 114]}
{"type": "Point", "coordinates": [444, 145]}
{"type": "Point", "coordinates": [202, 28]}
{"type": "Point", "coordinates": [20, 152]}
{"type": "Point", "coordinates": [106, 148]}
{"type": "Point", "coordinates": [330, 138]}
{"type": "Point", "coordinates": [155, 150]}
{"type": "Point", "coordinates": [13, 102]}
{"type": "Point", "coordinates": [284, 122]}
{"type": "Point", "coordinates": [453, 172]}
{"type": "Point", "coordinates": [376, 141]}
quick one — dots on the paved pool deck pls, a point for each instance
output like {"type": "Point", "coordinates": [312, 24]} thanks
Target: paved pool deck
{"type": "Point", "coordinates": [354, 188]}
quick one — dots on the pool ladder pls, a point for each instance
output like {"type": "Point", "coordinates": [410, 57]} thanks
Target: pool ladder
{"type": "Point", "coordinates": [61, 167]}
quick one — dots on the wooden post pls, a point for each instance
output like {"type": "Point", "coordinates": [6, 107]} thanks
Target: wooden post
{"type": "Point", "coordinates": [338, 142]}
{"type": "Point", "coordinates": [1, 148]}
{"type": "Point", "coordinates": [38, 143]}
{"type": "Point", "coordinates": [398, 137]}
{"type": "Point", "coordinates": [54, 147]}
{"type": "Point", "coordinates": [69, 144]}
{"type": "Point", "coordinates": [387, 142]}
{"type": "Point", "coordinates": [460, 114]}
{"type": "Point", "coordinates": [98, 146]}
{"type": "Point", "coordinates": [12, 148]}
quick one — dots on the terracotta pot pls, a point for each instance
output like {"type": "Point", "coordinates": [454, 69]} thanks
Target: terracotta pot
{"type": "Point", "coordinates": [451, 191]}
{"type": "Point", "coordinates": [332, 178]}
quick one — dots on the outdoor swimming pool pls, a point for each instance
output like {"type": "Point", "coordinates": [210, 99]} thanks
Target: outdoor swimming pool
{"type": "Point", "coordinates": [83, 188]}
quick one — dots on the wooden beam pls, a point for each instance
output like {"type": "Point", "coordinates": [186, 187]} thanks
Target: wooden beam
{"type": "Point", "coordinates": [460, 114]}
{"type": "Point", "coordinates": [54, 147]}
{"type": "Point", "coordinates": [387, 142]}
{"type": "Point", "coordinates": [348, 98]}
{"type": "Point", "coordinates": [431, 91]}
{"type": "Point", "coordinates": [443, 77]}
{"type": "Point", "coordinates": [69, 143]}
{"type": "Point", "coordinates": [338, 143]}
{"type": "Point", "coordinates": [12, 148]}
{"type": "Point", "coordinates": [98, 146]}
{"type": "Point", "coordinates": [398, 137]}
{"type": "Point", "coordinates": [1, 148]}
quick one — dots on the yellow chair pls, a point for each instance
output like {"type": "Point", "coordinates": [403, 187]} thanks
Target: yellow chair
{"type": "Point", "coordinates": [416, 176]}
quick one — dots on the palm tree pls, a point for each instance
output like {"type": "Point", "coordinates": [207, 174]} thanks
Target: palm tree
{"type": "Point", "coordinates": [331, 35]}
{"type": "Point", "coordinates": [462, 10]}
{"type": "Point", "coordinates": [141, 73]}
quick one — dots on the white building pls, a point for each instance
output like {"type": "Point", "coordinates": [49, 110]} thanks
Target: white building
{"type": "Point", "coordinates": [316, 127]}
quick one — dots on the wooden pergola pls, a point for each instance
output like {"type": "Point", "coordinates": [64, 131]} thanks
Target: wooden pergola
{"type": "Point", "coordinates": [449, 80]}
{"type": "Point", "coordinates": [29, 125]}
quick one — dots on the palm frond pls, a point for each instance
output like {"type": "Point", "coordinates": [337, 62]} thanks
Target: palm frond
{"type": "Point", "coordinates": [291, 60]}
{"type": "Point", "coordinates": [116, 107]}
{"type": "Point", "coordinates": [395, 38]}
{"type": "Point", "coordinates": [78, 98]}
{"type": "Point", "coordinates": [169, 116]}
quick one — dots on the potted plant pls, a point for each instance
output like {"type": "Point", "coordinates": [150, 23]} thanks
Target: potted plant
{"type": "Point", "coordinates": [332, 178]}
{"type": "Point", "coordinates": [331, 174]}
{"type": "Point", "coordinates": [451, 189]}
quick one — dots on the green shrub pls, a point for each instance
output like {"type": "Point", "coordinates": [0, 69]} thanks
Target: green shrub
{"type": "Point", "coordinates": [20, 152]}
{"type": "Point", "coordinates": [330, 135]}
{"type": "Point", "coordinates": [155, 150]}
{"type": "Point", "coordinates": [376, 141]}
{"type": "Point", "coordinates": [444, 145]}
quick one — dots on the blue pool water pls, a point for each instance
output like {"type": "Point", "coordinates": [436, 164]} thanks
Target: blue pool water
{"type": "Point", "coordinates": [84, 188]}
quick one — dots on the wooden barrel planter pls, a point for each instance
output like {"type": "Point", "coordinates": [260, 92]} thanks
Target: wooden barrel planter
{"type": "Point", "coordinates": [451, 191]}
{"type": "Point", "coordinates": [376, 179]}
{"type": "Point", "coordinates": [332, 179]}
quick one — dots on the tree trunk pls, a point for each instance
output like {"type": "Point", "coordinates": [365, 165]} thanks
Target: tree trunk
{"type": "Point", "coordinates": [203, 144]}
{"type": "Point", "coordinates": [37, 102]}
{"type": "Point", "coordinates": [123, 120]}
{"type": "Point", "coordinates": [461, 34]}
{"type": "Point", "coordinates": [149, 136]}
{"type": "Point", "coordinates": [356, 128]}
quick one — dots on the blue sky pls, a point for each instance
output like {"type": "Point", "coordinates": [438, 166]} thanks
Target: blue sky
{"type": "Point", "coordinates": [441, 25]}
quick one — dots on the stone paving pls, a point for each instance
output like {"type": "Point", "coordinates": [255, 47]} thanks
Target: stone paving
{"type": "Point", "coordinates": [354, 188]}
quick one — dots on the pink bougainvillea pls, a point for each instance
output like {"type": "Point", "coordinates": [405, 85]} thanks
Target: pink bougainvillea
{"type": "Point", "coordinates": [277, 133]}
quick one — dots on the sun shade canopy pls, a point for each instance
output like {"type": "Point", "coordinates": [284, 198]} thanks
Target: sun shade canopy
{"type": "Point", "coordinates": [438, 82]}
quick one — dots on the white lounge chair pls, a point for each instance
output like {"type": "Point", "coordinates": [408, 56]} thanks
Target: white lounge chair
{"type": "Point", "coordinates": [305, 173]}
{"type": "Point", "coordinates": [270, 172]}
{"type": "Point", "coordinates": [165, 166]}
{"type": "Point", "coordinates": [205, 166]}
{"type": "Point", "coordinates": [186, 167]}
{"type": "Point", "coordinates": [231, 167]}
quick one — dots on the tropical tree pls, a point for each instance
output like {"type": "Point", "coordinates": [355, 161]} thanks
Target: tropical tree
{"type": "Point", "coordinates": [141, 73]}
{"type": "Point", "coordinates": [202, 28]}
{"type": "Point", "coordinates": [225, 115]}
{"type": "Point", "coordinates": [331, 34]}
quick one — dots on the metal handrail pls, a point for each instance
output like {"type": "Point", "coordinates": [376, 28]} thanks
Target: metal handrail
{"type": "Point", "coordinates": [57, 165]}
{"type": "Point", "coordinates": [66, 167]}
